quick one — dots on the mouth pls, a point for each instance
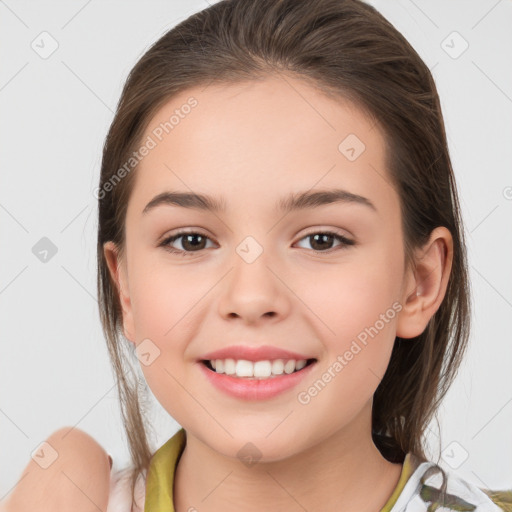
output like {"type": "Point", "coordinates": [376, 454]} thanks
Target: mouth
{"type": "Point", "coordinates": [258, 370]}
{"type": "Point", "coordinates": [256, 380]}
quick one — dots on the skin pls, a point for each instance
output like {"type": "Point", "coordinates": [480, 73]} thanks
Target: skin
{"type": "Point", "coordinates": [253, 143]}
{"type": "Point", "coordinates": [78, 477]}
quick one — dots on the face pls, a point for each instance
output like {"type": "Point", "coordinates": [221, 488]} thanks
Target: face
{"type": "Point", "coordinates": [255, 274]}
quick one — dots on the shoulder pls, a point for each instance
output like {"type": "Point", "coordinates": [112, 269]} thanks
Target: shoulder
{"type": "Point", "coordinates": [69, 468]}
{"type": "Point", "coordinates": [435, 487]}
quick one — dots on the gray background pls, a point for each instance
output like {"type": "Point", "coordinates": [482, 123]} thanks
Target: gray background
{"type": "Point", "coordinates": [54, 367]}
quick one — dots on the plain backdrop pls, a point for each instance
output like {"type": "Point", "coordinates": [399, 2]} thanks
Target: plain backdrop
{"type": "Point", "coordinates": [55, 112]}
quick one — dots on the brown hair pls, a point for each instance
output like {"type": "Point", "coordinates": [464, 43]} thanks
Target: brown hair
{"type": "Point", "coordinates": [348, 50]}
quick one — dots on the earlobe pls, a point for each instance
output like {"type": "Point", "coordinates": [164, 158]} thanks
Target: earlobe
{"type": "Point", "coordinates": [425, 286]}
{"type": "Point", "coordinates": [117, 269]}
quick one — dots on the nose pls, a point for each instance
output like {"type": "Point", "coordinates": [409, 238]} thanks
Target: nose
{"type": "Point", "coordinates": [254, 292]}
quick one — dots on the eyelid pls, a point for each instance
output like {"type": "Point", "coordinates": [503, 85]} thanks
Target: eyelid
{"type": "Point", "coordinates": [184, 231]}
{"type": "Point", "coordinates": [334, 231]}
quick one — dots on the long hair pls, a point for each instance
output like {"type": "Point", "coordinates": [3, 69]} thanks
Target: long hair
{"type": "Point", "coordinates": [348, 50]}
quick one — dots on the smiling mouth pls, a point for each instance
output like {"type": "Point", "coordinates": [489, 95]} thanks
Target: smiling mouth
{"type": "Point", "coordinates": [208, 365]}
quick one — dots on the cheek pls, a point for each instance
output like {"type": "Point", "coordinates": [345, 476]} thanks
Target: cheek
{"type": "Point", "coordinates": [163, 297]}
{"type": "Point", "coordinates": [164, 305]}
{"type": "Point", "coordinates": [169, 304]}
{"type": "Point", "coordinates": [355, 311]}
{"type": "Point", "coordinates": [348, 297]}
{"type": "Point", "coordinates": [355, 314]}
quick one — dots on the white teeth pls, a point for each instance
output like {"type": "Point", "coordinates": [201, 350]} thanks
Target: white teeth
{"type": "Point", "coordinates": [229, 366]}
{"type": "Point", "coordinates": [257, 369]}
{"type": "Point", "coordinates": [289, 367]}
{"type": "Point", "coordinates": [277, 367]}
{"type": "Point", "coordinates": [261, 369]}
{"type": "Point", "coordinates": [300, 364]}
{"type": "Point", "coordinates": [244, 368]}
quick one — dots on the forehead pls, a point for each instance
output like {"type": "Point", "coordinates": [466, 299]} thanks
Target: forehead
{"type": "Point", "coordinates": [261, 139]}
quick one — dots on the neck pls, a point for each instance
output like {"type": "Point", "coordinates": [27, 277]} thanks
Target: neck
{"type": "Point", "coordinates": [345, 471]}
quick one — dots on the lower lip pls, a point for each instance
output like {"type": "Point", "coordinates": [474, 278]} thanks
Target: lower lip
{"type": "Point", "coordinates": [255, 389]}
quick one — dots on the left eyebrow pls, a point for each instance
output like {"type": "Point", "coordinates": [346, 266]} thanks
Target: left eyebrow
{"type": "Point", "coordinates": [295, 201]}
{"type": "Point", "coordinates": [307, 199]}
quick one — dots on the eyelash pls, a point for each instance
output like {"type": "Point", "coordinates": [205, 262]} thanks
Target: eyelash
{"type": "Point", "coordinates": [165, 243]}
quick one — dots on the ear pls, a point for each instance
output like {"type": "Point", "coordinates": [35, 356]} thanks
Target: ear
{"type": "Point", "coordinates": [425, 285]}
{"type": "Point", "coordinates": [118, 271]}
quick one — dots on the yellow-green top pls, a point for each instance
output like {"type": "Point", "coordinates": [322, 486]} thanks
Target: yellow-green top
{"type": "Point", "coordinates": [419, 482]}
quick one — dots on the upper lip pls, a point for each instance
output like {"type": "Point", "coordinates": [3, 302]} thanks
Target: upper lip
{"type": "Point", "coordinates": [247, 353]}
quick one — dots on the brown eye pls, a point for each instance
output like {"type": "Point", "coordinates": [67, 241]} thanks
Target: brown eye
{"type": "Point", "coordinates": [321, 241]}
{"type": "Point", "coordinates": [191, 242]}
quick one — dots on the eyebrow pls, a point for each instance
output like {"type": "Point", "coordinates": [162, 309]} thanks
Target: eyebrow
{"type": "Point", "coordinates": [295, 201]}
